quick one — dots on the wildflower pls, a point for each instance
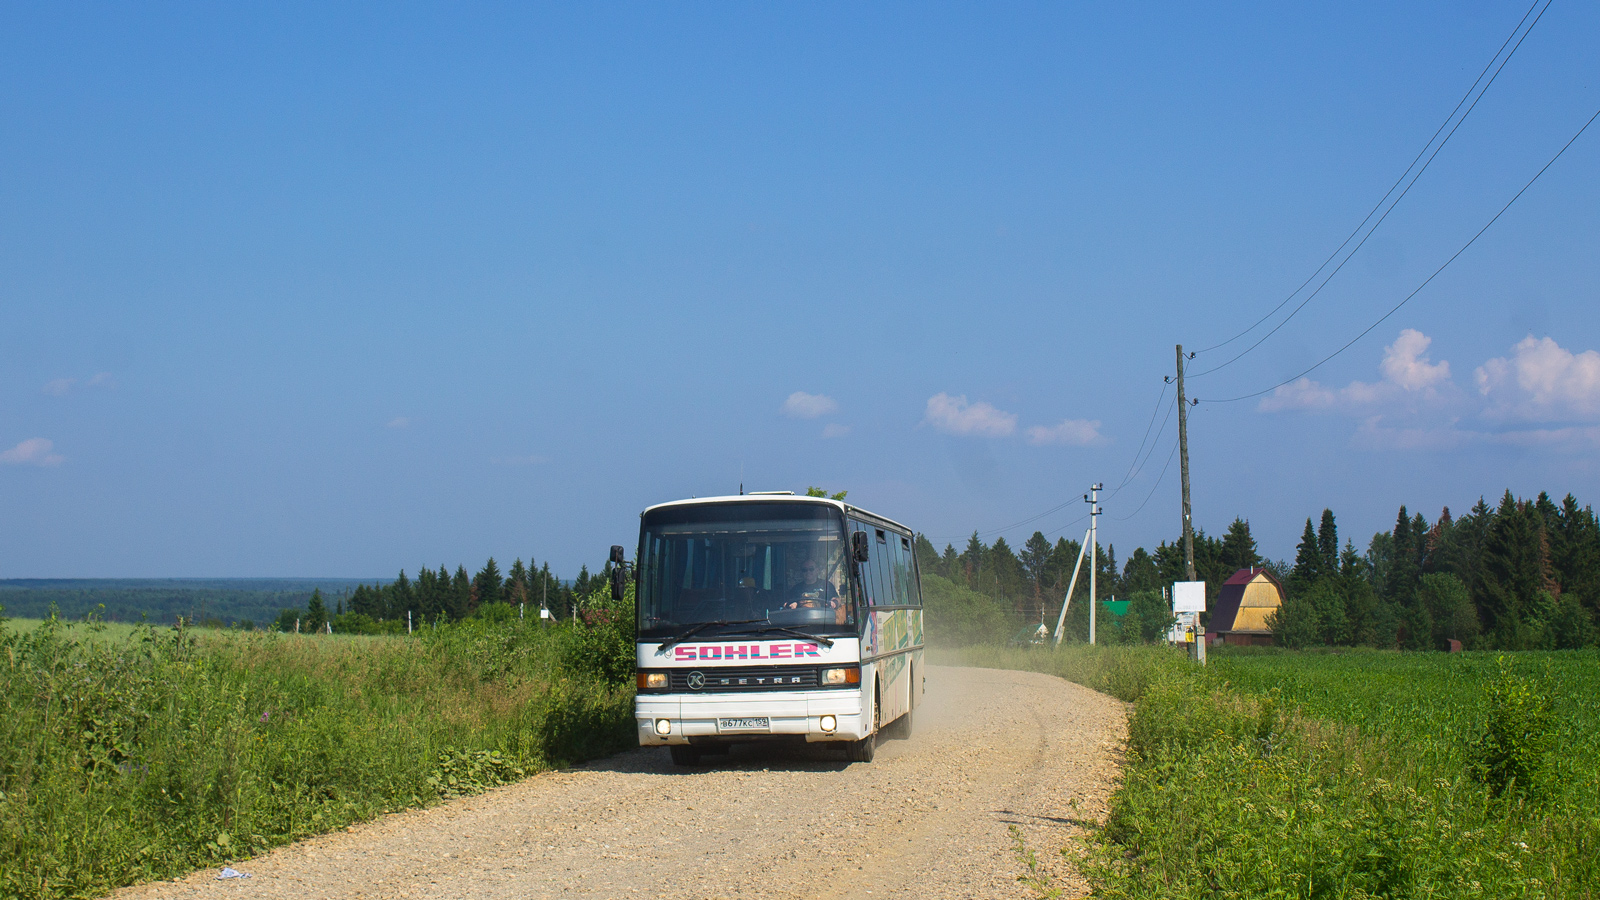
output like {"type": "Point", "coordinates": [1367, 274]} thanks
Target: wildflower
{"type": "Point", "coordinates": [265, 715]}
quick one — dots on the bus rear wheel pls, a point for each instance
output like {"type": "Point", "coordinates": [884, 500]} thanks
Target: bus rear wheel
{"type": "Point", "coordinates": [684, 755]}
{"type": "Point", "coordinates": [900, 729]}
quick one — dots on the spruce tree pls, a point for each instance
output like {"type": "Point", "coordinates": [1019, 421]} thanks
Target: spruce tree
{"type": "Point", "coordinates": [972, 560]}
{"type": "Point", "coordinates": [1515, 571]}
{"type": "Point", "coordinates": [1307, 560]}
{"type": "Point", "coordinates": [1402, 576]}
{"type": "Point", "coordinates": [401, 597]}
{"type": "Point", "coordinates": [1328, 544]}
{"type": "Point", "coordinates": [461, 602]}
{"type": "Point", "coordinates": [1035, 558]}
{"type": "Point", "coordinates": [487, 586]}
{"type": "Point", "coordinates": [1238, 547]}
{"type": "Point", "coordinates": [517, 583]}
{"type": "Point", "coordinates": [316, 613]}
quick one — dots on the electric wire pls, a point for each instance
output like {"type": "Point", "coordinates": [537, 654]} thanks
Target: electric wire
{"type": "Point", "coordinates": [1351, 255]}
{"type": "Point", "coordinates": [1160, 478]}
{"type": "Point", "coordinates": [1134, 468]}
{"type": "Point", "coordinates": [1153, 413]}
{"type": "Point", "coordinates": [1396, 308]}
{"type": "Point", "coordinates": [1153, 444]}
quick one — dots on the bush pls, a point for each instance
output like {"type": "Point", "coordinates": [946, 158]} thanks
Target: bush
{"type": "Point", "coordinates": [1510, 751]}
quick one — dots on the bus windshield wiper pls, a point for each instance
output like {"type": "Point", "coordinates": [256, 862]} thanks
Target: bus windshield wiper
{"type": "Point", "coordinates": [780, 629]}
{"type": "Point", "coordinates": [696, 629]}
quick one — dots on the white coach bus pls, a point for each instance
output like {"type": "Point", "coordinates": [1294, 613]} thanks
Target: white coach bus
{"type": "Point", "coordinates": [772, 617]}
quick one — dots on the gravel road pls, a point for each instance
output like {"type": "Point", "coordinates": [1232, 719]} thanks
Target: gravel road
{"type": "Point", "coordinates": [929, 818]}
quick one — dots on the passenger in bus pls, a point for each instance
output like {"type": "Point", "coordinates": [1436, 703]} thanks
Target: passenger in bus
{"type": "Point", "coordinates": [813, 591]}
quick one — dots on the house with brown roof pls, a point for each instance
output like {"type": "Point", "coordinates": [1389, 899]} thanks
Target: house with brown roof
{"type": "Point", "coordinates": [1242, 608]}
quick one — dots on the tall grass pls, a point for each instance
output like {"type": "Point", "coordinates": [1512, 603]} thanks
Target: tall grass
{"type": "Point", "coordinates": [1281, 774]}
{"type": "Point", "coordinates": [145, 756]}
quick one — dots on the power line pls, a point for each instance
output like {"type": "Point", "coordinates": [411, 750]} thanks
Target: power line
{"type": "Point", "coordinates": [1396, 307]}
{"type": "Point", "coordinates": [1153, 444]}
{"type": "Point", "coordinates": [1129, 476]}
{"type": "Point", "coordinates": [1387, 194]}
{"type": "Point", "coordinates": [1153, 487]}
{"type": "Point", "coordinates": [1134, 468]}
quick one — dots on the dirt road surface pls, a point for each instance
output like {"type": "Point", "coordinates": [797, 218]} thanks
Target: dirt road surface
{"type": "Point", "coordinates": [929, 818]}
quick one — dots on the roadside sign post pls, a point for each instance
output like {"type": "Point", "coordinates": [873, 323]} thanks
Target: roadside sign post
{"type": "Point", "coordinates": [1190, 597]}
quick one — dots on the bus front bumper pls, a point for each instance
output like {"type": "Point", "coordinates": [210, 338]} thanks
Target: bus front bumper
{"type": "Point", "coordinates": [711, 718]}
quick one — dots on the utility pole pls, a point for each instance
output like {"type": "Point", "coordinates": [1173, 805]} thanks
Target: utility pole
{"type": "Point", "coordinates": [1093, 499]}
{"type": "Point", "coordinates": [1183, 452]}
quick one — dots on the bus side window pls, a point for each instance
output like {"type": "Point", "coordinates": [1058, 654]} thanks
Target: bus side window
{"type": "Point", "coordinates": [883, 584]}
{"type": "Point", "coordinates": [902, 573]}
{"type": "Point", "coordinates": [914, 569]}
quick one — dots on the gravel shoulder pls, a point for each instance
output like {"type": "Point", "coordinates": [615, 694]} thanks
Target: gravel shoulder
{"type": "Point", "coordinates": [930, 817]}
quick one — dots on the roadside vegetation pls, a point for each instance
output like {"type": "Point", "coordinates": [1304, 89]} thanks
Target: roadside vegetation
{"type": "Point", "coordinates": [144, 754]}
{"type": "Point", "coordinates": [1309, 774]}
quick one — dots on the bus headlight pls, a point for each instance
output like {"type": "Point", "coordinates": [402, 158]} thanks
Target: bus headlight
{"type": "Point", "coordinates": [828, 723]}
{"type": "Point", "coordinates": [652, 681]}
{"type": "Point", "coordinates": [663, 726]}
{"type": "Point", "coordinates": [844, 675]}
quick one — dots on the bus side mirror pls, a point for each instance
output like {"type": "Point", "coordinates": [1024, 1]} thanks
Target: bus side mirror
{"type": "Point", "coordinates": [616, 554]}
{"type": "Point", "coordinates": [619, 583]}
{"type": "Point", "coordinates": [858, 546]}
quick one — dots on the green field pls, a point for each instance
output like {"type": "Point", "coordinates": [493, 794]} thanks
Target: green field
{"type": "Point", "coordinates": [1353, 774]}
{"type": "Point", "coordinates": [135, 753]}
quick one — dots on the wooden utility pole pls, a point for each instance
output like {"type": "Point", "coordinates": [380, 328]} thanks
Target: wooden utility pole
{"type": "Point", "coordinates": [1183, 452]}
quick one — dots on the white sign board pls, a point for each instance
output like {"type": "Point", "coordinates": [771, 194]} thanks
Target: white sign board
{"type": "Point", "coordinates": [1188, 596]}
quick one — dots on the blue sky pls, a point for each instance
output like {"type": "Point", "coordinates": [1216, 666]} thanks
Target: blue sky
{"type": "Point", "coordinates": [327, 292]}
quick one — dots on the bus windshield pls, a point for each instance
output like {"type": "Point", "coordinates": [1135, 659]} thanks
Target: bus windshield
{"type": "Point", "coordinates": [750, 563]}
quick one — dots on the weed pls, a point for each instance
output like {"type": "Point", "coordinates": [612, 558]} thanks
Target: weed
{"type": "Point", "coordinates": [1035, 877]}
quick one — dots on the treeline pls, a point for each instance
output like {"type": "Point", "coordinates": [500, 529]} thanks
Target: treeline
{"type": "Point", "coordinates": [163, 601]}
{"type": "Point", "coordinates": [439, 596]}
{"type": "Point", "coordinates": [1523, 575]}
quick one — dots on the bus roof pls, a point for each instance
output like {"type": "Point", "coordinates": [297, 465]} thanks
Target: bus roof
{"type": "Point", "coordinates": [783, 498]}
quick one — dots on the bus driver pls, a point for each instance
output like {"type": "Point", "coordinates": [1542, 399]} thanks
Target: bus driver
{"type": "Point", "coordinates": [813, 590]}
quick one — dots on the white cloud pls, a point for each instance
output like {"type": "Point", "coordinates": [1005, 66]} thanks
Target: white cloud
{"type": "Point", "coordinates": [399, 422]}
{"type": "Point", "coordinates": [60, 387]}
{"type": "Point", "coordinates": [1542, 382]}
{"type": "Point", "coordinates": [1405, 363]}
{"type": "Point", "coordinates": [954, 415]}
{"type": "Point", "coordinates": [532, 459]}
{"type": "Point", "coordinates": [1071, 432]}
{"type": "Point", "coordinates": [32, 452]}
{"type": "Point", "coordinates": [802, 405]}
{"type": "Point", "coordinates": [1408, 374]}
{"type": "Point", "coordinates": [835, 430]}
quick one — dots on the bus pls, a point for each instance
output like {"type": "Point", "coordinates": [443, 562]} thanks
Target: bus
{"type": "Point", "coordinates": [774, 617]}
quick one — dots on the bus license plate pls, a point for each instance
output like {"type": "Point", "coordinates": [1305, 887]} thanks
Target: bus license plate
{"type": "Point", "coordinates": [753, 723]}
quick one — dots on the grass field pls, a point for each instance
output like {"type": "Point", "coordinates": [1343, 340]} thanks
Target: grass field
{"type": "Point", "coordinates": [1355, 774]}
{"type": "Point", "coordinates": [135, 753]}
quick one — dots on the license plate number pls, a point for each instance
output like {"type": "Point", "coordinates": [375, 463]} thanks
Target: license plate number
{"type": "Point", "coordinates": [753, 723]}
